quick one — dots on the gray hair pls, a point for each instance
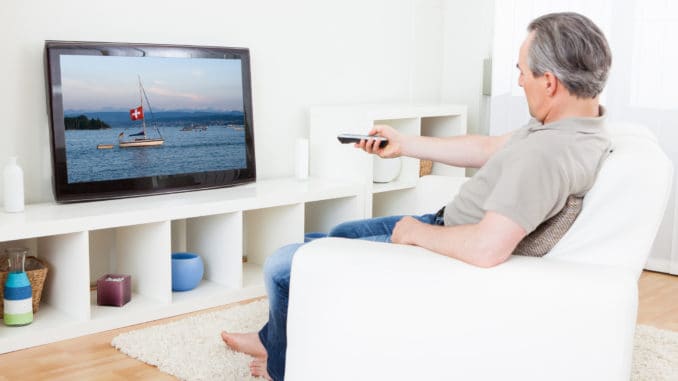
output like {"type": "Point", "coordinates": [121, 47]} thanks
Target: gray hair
{"type": "Point", "coordinates": [574, 49]}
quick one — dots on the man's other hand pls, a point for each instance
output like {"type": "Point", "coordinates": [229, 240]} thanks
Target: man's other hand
{"type": "Point", "coordinates": [405, 230]}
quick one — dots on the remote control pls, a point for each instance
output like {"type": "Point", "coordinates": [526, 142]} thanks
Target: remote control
{"type": "Point", "coordinates": [356, 138]}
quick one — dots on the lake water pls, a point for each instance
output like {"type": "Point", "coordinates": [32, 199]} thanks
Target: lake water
{"type": "Point", "coordinates": [216, 149]}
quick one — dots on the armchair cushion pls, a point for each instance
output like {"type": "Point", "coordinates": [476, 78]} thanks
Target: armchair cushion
{"type": "Point", "coordinates": [540, 241]}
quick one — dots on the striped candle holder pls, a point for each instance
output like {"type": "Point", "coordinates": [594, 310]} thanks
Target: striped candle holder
{"type": "Point", "coordinates": [18, 300]}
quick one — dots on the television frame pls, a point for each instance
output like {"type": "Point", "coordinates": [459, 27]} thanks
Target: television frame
{"type": "Point", "coordinates": [66, 192]}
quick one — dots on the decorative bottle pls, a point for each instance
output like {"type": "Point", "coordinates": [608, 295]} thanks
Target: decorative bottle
{"type": "Point", "coordinates": [18, 295]}
{"type": "Point", "coordinates": [13, 187]}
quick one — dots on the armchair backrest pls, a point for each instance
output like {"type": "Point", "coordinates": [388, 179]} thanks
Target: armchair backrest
{"type": "Point", "coordinates": [622, 212]}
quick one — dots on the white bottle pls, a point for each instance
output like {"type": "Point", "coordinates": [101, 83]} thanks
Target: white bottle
{"type": "Point", "coordinates": [13, 187]}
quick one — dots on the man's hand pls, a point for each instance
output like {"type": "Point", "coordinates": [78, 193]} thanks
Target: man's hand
{"type": "Point", "coordinates": [405, 231]}
{"type": "Point", "coordinates": [392, 149]}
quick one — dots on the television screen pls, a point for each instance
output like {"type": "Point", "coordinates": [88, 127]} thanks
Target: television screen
{"type": "Point", "coordinates": [136, 119]}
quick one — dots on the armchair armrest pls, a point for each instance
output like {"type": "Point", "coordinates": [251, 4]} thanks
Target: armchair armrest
{"type": "Point", "coordinates": [371, 311]}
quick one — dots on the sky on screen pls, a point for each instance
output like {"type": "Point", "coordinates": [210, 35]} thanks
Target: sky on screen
{"type": "Point", "coordinates": [96, 83]}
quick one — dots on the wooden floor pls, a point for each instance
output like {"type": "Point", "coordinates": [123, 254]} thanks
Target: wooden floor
{"type": "Point", "coordinates": [658, 305]}
{"type": "Point", "coordinates": [92, 358]}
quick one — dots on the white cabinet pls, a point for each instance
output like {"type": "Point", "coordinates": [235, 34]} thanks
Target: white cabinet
{"type": "Point", "coordinates": [81, 242]}
{"type": "Point", "coordinates": [342, 161]}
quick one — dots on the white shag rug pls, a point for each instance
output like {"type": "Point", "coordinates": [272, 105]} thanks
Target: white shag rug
{"type": "Point", "coordinates": [655, 354]}
{"type": "Point", "coordinates": [191, 349]}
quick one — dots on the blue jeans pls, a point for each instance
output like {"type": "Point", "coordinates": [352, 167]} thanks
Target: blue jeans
{"type": "Point", "coordinates": [277, 277]}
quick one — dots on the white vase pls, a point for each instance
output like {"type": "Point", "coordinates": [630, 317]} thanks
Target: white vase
{"type": "Point", "coordinates": [13, 183]}
{"type": "Point", "coordinates": [385, 170]}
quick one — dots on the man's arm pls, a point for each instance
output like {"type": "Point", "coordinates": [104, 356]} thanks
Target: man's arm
{"type": "Point", "coordinates": [486, 244]}
{"type": "Point", "coordinates": [468, 151]}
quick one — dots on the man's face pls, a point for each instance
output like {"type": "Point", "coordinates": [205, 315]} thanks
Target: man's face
{"type": "Point", "coordinates": [534, 87]}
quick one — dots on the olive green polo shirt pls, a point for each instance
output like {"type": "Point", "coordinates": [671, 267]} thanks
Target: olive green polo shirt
{"type": "Point", "coordinates": [529, 179]}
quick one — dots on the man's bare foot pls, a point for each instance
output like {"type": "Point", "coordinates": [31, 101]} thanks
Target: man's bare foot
{"type": "Point", "coordinates": [258, 368]}
{"type": "Point", "coordinates": [248, 343]}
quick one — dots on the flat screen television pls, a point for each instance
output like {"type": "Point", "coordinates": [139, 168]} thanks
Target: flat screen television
{"type": "Point", "coordinates": [137, 119]}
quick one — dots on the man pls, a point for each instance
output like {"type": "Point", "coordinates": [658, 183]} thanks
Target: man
{"type": "Point", "coordinates": [524, 178]}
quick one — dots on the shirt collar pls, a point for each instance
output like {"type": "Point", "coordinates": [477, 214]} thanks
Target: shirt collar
{"type": "Point", "coordinates": [579, 124]}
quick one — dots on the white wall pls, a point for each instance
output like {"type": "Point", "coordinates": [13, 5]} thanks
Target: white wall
{"type": "Point", "coordinates": [641, 89]}
{"type": "Point", "coordinates": [303, 52]}
{"type": "Point", "coordinates": [468, 27]}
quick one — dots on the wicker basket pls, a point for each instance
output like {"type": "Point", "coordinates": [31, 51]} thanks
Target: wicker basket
{"type": "Point", "coordinates": [36, 271]}
{"type": "Point", "coordinates": [425, 167]}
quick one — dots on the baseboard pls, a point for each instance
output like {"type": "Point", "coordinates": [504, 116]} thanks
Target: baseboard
{"type": "Point", "coordinates": [661, 265]}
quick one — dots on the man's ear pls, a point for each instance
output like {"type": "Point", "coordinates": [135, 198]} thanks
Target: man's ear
{"type": "Point", "coordinates": [551, 83]}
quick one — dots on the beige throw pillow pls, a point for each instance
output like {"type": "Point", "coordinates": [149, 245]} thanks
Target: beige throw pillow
{"type": "Point", "coordinates": [546, 235]}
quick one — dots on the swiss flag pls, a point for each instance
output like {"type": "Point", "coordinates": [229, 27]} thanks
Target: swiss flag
{"type": "Point", "coordinates": [136, 113]}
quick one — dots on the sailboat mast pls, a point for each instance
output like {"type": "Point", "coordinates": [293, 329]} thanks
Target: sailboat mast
{"type": "Point", "coordinates": [141, 103]}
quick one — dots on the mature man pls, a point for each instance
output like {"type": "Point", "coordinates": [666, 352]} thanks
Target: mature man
{"type": "Point", "coordinates": [524, 178]}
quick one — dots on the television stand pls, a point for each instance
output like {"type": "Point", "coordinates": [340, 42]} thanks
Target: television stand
{"type": "Point", "coordinates": [81, 242]}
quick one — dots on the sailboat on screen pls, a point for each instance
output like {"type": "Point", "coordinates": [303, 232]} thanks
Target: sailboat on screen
{"type": "Point", "coordinates": [140, 139]}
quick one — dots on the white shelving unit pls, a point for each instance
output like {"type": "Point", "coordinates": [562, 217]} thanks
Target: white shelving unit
{"type": "Point", "coordinates": [81, 242]}
{"type": "Point", "coordinates": [343, 162]}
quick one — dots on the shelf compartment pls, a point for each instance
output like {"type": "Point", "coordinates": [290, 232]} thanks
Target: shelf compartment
{"type": "Point", "coordinates": [268, 229]}
{"type": "Point", "coordinates": [141, 251]}
{"type": "Point", "coordinates": [64, 305]}
{"type": "Point", "coordinates": [445, 126]}
{"type": "Point", "coordinates": [218, 240]}
{"type": "Point", "coordinates": [321, 216]}
{"type": "Point", "coordinates": [253, 276]}
{"type": "Point", "coordinates": [388, 203]}
{"type": "Point", "coordinates": [67, 283]}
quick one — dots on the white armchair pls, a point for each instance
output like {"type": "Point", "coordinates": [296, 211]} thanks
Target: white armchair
{"type": "Point", "coordinates": [371, 311]}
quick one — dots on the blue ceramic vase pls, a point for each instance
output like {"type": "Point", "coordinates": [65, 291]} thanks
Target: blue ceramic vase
{"type": "Point", "coordinates": [187, 271]}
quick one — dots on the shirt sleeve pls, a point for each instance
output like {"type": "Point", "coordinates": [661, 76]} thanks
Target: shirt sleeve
{"type": "Point", "coordinates": [529, 189]}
